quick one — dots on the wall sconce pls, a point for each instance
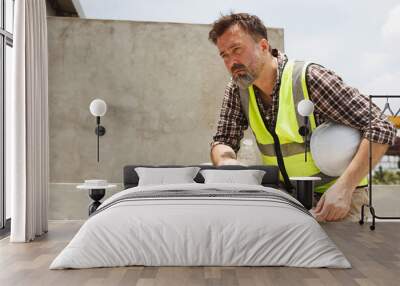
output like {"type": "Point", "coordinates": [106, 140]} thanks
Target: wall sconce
{"type": "Point", "coordinates": [98, 108]}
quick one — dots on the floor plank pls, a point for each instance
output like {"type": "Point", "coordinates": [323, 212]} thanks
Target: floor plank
{"type": "Point", "coordinates": [375, 257]}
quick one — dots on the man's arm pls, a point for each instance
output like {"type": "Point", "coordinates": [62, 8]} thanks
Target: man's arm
{"type": "Point", "coordinates": [335, 203]}
{"type": "Point", "coordinates": [338, 102]}
{"type": "Point", "coordinates": [230, 129]}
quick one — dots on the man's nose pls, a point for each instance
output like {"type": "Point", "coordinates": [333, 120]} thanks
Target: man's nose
{"type": "Point", "coordinates": [232, 62]}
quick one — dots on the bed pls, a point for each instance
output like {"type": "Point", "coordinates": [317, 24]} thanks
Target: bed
{"type": "Point", "coordinates": [201, 224]}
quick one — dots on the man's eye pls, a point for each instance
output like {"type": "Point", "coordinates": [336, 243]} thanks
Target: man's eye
{"type": "Point", "coordinates": [237, 50]}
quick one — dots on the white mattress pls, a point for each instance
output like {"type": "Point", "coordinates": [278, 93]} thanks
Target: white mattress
{"type": "Point", "coordinates": [183, 231]}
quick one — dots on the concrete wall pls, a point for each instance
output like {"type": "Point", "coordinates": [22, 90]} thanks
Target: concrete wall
{"type": "Point", "coordinates": [163, 84]}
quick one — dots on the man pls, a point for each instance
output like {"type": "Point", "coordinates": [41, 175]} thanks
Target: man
{"type": "Point", "coordinates": [262, 87]}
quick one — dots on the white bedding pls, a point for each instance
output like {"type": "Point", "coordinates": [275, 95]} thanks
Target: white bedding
{"type": "Point", "coordinates": [182, 231]}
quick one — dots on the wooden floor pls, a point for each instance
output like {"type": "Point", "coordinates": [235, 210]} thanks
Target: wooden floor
{"type": "Point", "coordinates": [375, 256]}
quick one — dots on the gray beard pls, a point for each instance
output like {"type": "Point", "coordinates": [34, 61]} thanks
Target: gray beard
{"type": "Point", "coordinates": [244, 81]}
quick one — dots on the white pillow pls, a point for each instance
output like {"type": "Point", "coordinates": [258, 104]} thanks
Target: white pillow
{"type": "Point", "coordinates": [163, 176]}
{"type": "Point", "coordinates": [248, 177]}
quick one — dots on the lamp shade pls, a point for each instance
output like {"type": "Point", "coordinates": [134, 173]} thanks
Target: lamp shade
{"type": "Point", "coordinates": [305, 107]}
{"type": "Point", "coordinates": [98, 107]}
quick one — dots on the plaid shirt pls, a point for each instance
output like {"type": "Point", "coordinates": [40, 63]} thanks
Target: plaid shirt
{"type": "Point", "coordinates": [333, 100]}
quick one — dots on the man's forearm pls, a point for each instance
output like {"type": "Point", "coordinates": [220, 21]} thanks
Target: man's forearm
{"type": "Point", "coordinates": [220, 153]}
{"type": "Point", "coordinates": [359, 166]}
{"type": "Point", "coordinates": [336, 201]}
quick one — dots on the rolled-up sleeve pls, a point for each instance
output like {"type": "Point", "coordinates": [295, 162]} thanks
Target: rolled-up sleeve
{"type": "Point", "coordinates": [341, 103]}
{"type": "Point", "coordinates": [232, 122]}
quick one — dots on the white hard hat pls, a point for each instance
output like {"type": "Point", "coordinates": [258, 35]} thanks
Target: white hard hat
{"type": "Point", "coordinates": [333, 146]}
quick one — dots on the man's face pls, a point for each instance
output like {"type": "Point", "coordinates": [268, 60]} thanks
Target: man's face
{"type": "Point", "coordinates": [241, 55]}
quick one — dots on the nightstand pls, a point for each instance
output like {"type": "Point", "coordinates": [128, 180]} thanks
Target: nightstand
{"type": "Point", "coordinates": [96, 193]}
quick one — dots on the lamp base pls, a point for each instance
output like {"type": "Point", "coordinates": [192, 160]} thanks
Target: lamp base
{"type": "Point", "coordinates": [96, 195]}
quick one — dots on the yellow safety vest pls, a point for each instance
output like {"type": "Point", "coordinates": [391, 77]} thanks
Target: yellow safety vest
{"type": "Point", "coordinates": [284, 146]}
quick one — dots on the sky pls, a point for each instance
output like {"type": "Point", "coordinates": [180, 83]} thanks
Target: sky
{"type": "Point", "coordinates": [358, 39]}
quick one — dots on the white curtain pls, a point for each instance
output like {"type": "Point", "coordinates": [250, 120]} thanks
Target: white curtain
{"type": "Point", "coordinates": [27, 138]}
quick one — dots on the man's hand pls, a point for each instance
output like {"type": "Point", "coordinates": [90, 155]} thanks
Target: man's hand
{"type": "Point", "coordinates": [334, 204]}
{"type": "Point", "coordinates": [223, 155]}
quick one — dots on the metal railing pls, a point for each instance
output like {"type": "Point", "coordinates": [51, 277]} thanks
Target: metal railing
{"type": "Point", "coordinates": [369, 205]}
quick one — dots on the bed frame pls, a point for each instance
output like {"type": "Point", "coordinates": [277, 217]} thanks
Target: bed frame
{"type": "Point", "coordinates": [270, 179]}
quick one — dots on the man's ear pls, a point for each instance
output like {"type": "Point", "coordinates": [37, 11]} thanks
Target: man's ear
{"type": "Point", "coordinates": [264, 45]}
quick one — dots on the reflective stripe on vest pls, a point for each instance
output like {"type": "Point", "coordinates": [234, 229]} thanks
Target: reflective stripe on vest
{"type": "Point", "coordinates": [292, 90]}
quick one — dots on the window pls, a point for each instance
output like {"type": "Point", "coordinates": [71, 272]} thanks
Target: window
{"type": "Point", "coordinates": [9, 12]}
{"type": "Point", "coordinates": [6, 44]}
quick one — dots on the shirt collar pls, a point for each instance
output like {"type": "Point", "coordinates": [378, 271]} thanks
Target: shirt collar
{"type": "Point", "coordinates": [282, 59]}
